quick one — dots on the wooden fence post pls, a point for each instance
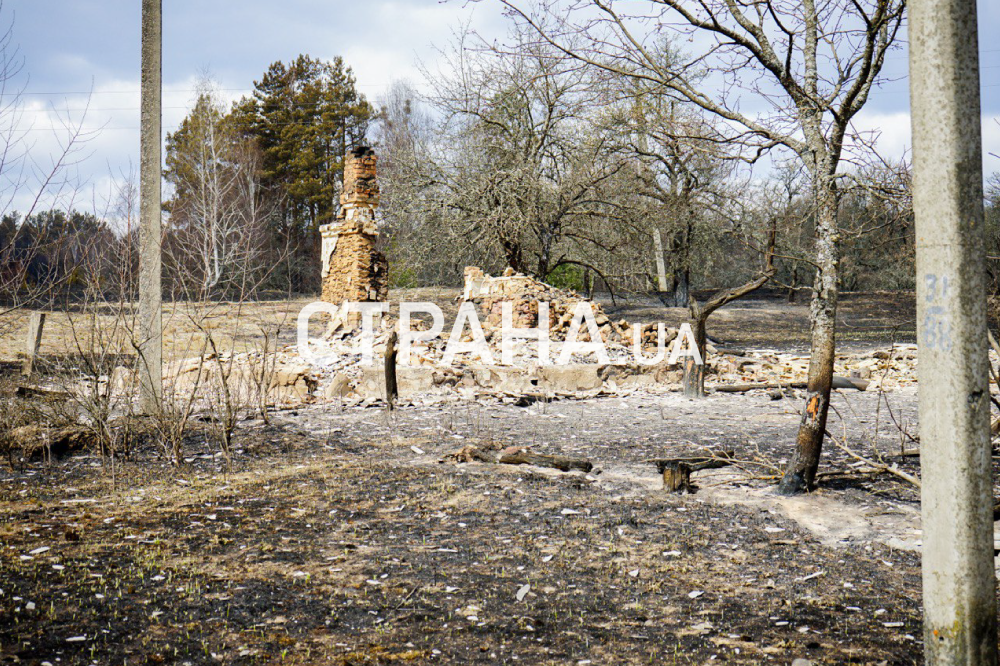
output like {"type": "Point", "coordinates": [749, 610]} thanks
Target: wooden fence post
{"type": "Point", "coordinates": [33, 342]}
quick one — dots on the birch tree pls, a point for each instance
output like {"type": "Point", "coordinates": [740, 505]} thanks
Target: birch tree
{"type": "Point", "coordinates": [218, 212]}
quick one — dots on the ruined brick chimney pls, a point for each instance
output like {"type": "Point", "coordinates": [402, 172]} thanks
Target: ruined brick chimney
{"type": "Point", "coordinates": [353, 270]}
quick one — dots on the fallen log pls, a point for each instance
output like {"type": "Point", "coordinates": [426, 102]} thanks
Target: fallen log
{"type": "Point", "coordinates": [470, 453]}
{"type": "Point", "coordinates": [730, 351]}
{"type": "Point", "coordinates": [849, 383]}
{"type": "Point", "coordinates": [743, 388]}
{"type": "Point", "coordinates": [523, 456]}
{"type": "Point", "coordinates": [24, 391]}
{"type": "Point", "coordinates": [519, 456]}
{"type": "Point", "coordinates": [697, 463]}
{"type": "Point", "coordinates": [838, 383]}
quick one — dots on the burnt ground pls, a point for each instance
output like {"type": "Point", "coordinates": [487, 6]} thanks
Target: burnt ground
{"type": "Point", "coordinates": [767, 320]}
{"type": "Point", "coordinates": [338, 536]}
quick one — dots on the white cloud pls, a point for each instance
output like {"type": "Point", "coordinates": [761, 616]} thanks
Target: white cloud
{"type": "Point", "coordinates": [888, 132]}
{"type": "Point", "coordinates": [96, 138]}
{"type": "Point", "coordinates": [892, 135]}
{"type": "Point", "coordinates": [991, 144]}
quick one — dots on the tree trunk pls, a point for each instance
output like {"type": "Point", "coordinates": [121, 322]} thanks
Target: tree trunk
{"type": "Point", "coordinates": [682, 288]}
{"type": "Point", "coordinates": [391, 387]}
{"type": "Point", "coordinates": [661, 269]}
{"type": "Point", "coordinates": [513, 253]}
{"type": "Point", "coordinates": [694, 373]}
{"type": "Point", "coordinates": [800, 474]}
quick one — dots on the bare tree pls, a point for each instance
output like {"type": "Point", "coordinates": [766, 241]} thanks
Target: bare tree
{"type": "Point", "coordinates": [32, 179]}
{"type": "Point", "coordinates": [217, 212]}
{"type": "Point", "coordinates": [403, 137]}
{"type": "Point", "coordinates": [694, 373]}
{"type": "Point", "coordinates": [681, 169]}
{"type": "Point", "coordinates": [810, 66]}
{"type": "Point", "coordinates": [522, 163]}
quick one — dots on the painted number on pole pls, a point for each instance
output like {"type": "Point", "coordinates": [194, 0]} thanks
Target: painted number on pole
{"type": "Point", "coordinates": [936, 330]}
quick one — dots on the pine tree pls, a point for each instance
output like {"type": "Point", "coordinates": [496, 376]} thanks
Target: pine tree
{"type": "Point", "coordinates": [304, 116]}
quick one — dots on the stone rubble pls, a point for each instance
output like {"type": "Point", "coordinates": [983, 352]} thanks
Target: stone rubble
{"type": "Point", "coordinates": [341, 377]}
{"type": "Point", "coordinates": [525, 293]}
{"type": "Point", "coordinates": [337, 374]}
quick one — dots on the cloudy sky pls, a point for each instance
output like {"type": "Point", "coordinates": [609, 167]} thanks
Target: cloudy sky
{"type": "Point", "coordinates": [73, 47]}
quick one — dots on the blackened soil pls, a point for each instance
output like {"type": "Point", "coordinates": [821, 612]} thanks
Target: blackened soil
{"type": "Point", "coordinates": [338, 538]}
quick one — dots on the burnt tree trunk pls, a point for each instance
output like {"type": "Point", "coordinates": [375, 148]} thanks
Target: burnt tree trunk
{"type": "Point", "coordinates": [694, 372]}
{"type": "Point", "coordinates": [794, 284]}
{"type": "Point", "coordinates": [391, 388]}
{"type": "Point", "coordinates": [800, 475]}
{"type": "Point", "coordinates": [682, 288]}
{"type": "Point", "coordinates": [677, 477]}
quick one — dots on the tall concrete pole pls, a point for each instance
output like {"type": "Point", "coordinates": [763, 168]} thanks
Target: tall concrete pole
{"type": "Point", "coordinates": [150, 323]}
{"type": "Point", "coordinates": [958, 578]}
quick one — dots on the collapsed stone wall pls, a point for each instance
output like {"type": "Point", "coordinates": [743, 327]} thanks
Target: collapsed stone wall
{"type": "Point", "coordinates": [489, 293]}
{"type": "Point", "coordinates": [353, 268]}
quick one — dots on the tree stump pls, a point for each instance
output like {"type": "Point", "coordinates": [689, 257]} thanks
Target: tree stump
{"type": "Point", "coordinates": [391, 388]}
{"type": "Point", "coordinates": [676, 477]}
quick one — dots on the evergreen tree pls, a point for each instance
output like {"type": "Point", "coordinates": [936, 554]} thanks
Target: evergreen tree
{"type": "Point", "coordinates": [305, 116]}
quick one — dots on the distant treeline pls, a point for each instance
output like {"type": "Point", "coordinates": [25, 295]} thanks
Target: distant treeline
{"type": "Point", "coordinates": [512, 160]}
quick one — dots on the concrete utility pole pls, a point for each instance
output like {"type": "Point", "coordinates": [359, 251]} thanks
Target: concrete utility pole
{"type": "Point", "coordinates": [150, 323]}
{"type": "Point", "coordinates": [956, 498]}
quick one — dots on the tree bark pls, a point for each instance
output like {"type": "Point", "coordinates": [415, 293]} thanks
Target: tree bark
{"type": "Point", "coordinates": [800, 475]}
{"type": "Point", "coordinates": [391, 387]}
{"type": "Point", "coordinates": [682, 288]}
{"type": "Point", "coordinates": [694, 373]}
{"type": "Point", "coordinates": [793, 284]}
